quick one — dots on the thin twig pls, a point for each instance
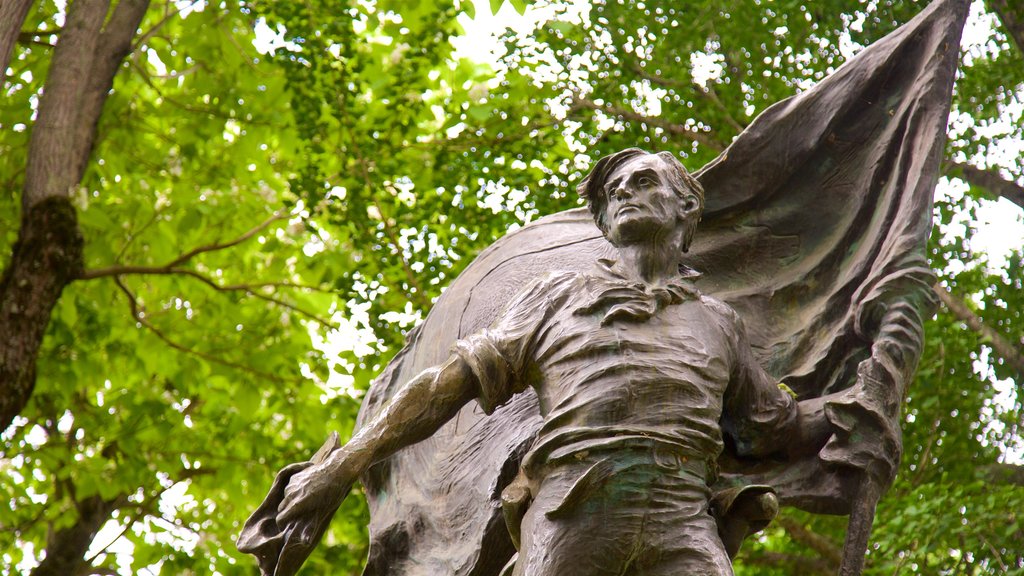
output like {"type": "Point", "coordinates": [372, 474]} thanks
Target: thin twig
{"type": "Point", "coordinates": [164, 97]}
{"type": "Point", "coordinates": [132, 235]}
{"type": "Point", "coordinates": [279, 215]}
{"type": "Point", "coordinates": [181, 259]}
{"type": "Point", "coordinates": [131, 520]}
{"type": "Point", "coordinates": [145, 510]}
{"type": "Point", "coordinates": [999, 557]}
{"type": "Point", "coordinates": [390, 232]}
{"type": "Point", "coordinates": [133, 303]}
{"type": "Point", "coordinates": [672, 128]}
{"type": "Point", "coordinates": [168, 14]}
{"type": "Point", "coordinates": [707, 92]}
{"type": "Point", "coordinates": [164, 271]}
{"type": "Point", "coordinates": [243, 288]}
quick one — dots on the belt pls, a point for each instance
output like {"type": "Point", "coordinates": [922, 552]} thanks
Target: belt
{"type": "Point", "coordinates": [610, 462]}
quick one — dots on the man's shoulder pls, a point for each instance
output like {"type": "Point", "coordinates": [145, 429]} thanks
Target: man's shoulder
{"type": "Point", "coordinates": [560, 281]}
{"type": "Point", "coordinates": [564, 277]}
{"type": "Point", "coordinates": [548, 288]}
{"type": "Point", "coordinates": [722, 312]}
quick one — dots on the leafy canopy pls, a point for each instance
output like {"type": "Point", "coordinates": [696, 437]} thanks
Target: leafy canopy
{"type": "Point", "coordinates": [263, 228]}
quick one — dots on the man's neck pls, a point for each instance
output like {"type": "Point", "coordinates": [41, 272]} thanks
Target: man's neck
{"type": "Point", "coordinates": [651, 263]}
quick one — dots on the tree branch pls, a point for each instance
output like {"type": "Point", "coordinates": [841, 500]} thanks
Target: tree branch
{"type": "Point", "coordinates": [1004, 349]}
{"type": "Point", "coordinates": [795, 563]}
{"type": "Point", "coordinates": [999, 473]}
{"type": "Point", "coordinates": [827, 549]}
{"type": "Point", "coordinates": [141, 510]}
{"type": "Point", "coordinates": [133, 304]}
{"type": "Point", "coordinates": [172, 266]}
{"type": "Point", "coordinates": [675, 129]}
{"type": "Point", "coordinates": [989, 179]}
{"type": "Point", "coordinates": [32, 39]}
{"type": "Point", "coordinates": [249, 291]}
{"type": "Point", "coordinates": [165, 271]}
{"type": "Point", "coordinates": [12, 15]}
{"type": "Point", "coordinates": [168, 14]}
{"type": "Point", "coordinates": [220, 246]}
{"type": "Point", "coordinates": [1012, 18]}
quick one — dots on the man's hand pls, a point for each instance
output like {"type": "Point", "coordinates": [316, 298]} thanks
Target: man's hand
{"type": "Point", "coordinates": [318, 490]}
{"type": "Point", "coordinates": [865, 422]}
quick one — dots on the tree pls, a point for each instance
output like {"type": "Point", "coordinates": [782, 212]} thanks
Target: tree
{"type": "Point", "coordinates": [192, 213]}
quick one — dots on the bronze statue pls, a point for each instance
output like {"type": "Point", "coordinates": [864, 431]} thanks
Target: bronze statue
{"type": "Point", "coordinates": [623, 381]}
{"type": "Point", "coordinates": [634, 368]}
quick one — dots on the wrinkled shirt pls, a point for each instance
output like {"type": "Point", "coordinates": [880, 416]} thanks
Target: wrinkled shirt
{"type": "Point", "coordinates": [675, 373]}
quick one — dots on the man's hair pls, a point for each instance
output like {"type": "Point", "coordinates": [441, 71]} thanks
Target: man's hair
{"type": "Point", "coordinates": [681, 182]}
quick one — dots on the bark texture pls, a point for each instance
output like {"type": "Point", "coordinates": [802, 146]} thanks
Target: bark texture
{"type": "Point", "coordinates": [47, 256]}
{"type": "Point", "coordinates": [12, 14]}
{"type": "Point", "coordinates": [48, 252]}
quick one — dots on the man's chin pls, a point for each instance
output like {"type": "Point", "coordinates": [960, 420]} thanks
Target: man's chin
{"type": "Point", "coordinates": [637, 231]}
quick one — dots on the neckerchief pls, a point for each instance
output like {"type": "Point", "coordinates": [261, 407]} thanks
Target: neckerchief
{"type": "Point", "coordinates": [633, 301]}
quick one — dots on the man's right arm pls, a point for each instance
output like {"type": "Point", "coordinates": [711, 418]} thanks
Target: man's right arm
{"type": "Point", "coordinates": [423, 405]}
{"type": "Point", "coordinates": [419, 409]}
{"type": "Point", "coordinates": [491, 366]}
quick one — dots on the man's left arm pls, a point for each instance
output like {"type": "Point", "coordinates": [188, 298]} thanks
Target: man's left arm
{"type": "Point", "coordinates": [763, 416]}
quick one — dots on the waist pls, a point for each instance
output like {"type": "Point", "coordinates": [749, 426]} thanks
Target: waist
{"type": "Point", "coordinates": [627, 451]}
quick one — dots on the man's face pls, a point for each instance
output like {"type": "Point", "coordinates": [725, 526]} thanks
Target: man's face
{"type": "Point", "coordinates": [641, 204]}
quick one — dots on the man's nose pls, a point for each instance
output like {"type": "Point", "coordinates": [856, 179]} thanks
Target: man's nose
{"type": "Point", "coordinates": [623, 192]}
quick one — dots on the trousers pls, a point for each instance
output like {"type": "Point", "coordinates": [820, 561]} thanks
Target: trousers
{"type": "Point", "coordinates": [630, 513]}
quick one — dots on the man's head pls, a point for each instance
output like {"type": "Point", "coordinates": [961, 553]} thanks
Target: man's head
{"type": "Point", "coordinates": [635, 192]}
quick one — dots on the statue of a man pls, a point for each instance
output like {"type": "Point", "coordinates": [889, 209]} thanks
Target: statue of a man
{"type": "Point", "coordinates": [640, 378]}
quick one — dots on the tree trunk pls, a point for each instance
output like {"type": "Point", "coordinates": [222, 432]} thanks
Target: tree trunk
{"type": "Point", "coordinates": [47, 256]}
{"type": "Point", "coordinates": [66, 548]}
{"type": "Point", "coordinates": [48, 252]}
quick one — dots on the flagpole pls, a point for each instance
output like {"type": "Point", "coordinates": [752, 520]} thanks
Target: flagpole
{"type": "Point", "coordinates": [858, 530]}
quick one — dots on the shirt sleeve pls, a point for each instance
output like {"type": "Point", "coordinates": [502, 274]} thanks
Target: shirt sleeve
{"type": "Point", "coordinates": [760, 413]}
{"type": "Point", "coordinates": [501, 357]}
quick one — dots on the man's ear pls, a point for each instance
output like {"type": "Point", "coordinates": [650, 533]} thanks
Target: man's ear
{"type": "Point", "coordinates": [689, 206]}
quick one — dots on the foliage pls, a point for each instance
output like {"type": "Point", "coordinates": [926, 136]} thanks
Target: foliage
{"type": "Point", "coordinates": [370, 163]}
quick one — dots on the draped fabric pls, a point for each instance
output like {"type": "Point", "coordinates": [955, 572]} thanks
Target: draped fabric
{"type": "Point", "coordinates": [635, 301]}
{"type": "Point", "coordinates": [814, 232]}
